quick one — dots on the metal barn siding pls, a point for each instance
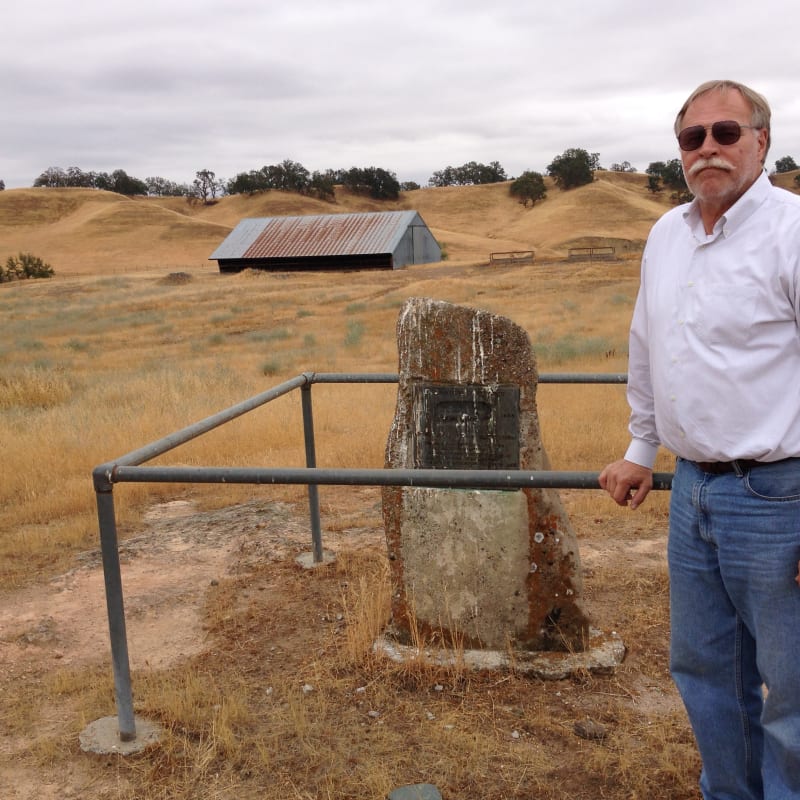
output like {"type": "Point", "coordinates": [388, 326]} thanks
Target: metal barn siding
{"type": "Point", "coordinates": [382, 240]}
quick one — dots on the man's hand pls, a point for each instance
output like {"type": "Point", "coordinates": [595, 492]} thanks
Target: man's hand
{"type": "Point", "coordinates": [627, 483]}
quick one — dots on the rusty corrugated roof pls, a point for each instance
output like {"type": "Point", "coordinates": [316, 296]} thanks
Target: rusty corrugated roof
{"type": "Point", "coordinates": [319, 235]}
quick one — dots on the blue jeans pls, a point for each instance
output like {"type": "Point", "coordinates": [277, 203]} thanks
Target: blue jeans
{"type": "Point", "coordinates": [734, 546]}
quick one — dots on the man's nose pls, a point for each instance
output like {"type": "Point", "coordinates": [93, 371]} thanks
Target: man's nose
{"type": "Point", "coordinates": [710, 145]}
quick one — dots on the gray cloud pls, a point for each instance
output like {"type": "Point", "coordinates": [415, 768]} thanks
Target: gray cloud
{"type": "Point", "coordinates": [167, 89]}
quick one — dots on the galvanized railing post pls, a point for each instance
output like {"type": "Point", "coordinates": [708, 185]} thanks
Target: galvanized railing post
{"type": "Point", "coordinates": [311, 462]}
{"type": "Point", "coordinates": [116, 615]}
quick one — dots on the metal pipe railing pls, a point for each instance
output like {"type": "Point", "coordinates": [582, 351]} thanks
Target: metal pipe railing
{"type": "Point", "coordinates": [103, 474]}
{"type": "Point", "coordinates": [128, 469]}
{"type": "Point", "coordinates": [429, 478]}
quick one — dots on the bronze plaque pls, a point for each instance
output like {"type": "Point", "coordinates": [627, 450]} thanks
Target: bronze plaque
{"type": "Point", "coordinates": [466, 427]}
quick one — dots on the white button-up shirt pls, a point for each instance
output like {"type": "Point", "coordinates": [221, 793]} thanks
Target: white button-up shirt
{"type": "Point", "coordinates": [714, 357]}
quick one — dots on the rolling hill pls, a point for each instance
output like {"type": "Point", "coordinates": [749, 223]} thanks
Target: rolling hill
{"type": "Point", "coordinates": [85, 231]}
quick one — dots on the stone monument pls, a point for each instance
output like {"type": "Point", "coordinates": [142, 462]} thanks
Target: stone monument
{"type": "Point", "coordinates": [486, 569]}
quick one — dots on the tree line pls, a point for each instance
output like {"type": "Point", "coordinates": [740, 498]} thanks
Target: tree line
{"type": "Point", "coordinates": [117, 181]}
{"type": "Point", "coordinates": [375, 182]}
{"type": "Point", "coordinates": [574, 167]}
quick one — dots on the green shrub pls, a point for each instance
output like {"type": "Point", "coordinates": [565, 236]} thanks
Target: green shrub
{"type": "Point", "coordinates": [355, 333]}
{"type": "Point", "coordinates": [274, 335]}
{"type": "Point", "coordinates": [270, 368]}
{"type": "Point", "coordinates": [24, 266]}
{"type": "Point", "coordinates": [571, 347]}
{"type": "Point", "coordinates": [31, 344]}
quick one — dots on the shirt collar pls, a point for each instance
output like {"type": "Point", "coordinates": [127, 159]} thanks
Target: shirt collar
{"type": "Point", "coordinates": [736, 215]}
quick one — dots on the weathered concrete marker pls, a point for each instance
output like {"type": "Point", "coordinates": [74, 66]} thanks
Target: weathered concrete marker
{"type": "Point", "coordinates": [496, 570]}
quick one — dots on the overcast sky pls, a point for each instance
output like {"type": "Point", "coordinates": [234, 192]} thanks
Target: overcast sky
{"type": "Point", "coordinates": [169, 87]}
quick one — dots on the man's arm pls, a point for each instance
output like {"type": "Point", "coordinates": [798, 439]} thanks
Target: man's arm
{"type": "Point", "coordinates": [630, 479]}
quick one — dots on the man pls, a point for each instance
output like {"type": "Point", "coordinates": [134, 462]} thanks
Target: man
{"type": "Point", "coordinates": [714, 376]}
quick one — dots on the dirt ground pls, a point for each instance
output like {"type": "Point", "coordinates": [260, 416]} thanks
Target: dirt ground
{"type": "Point", "coordinates": [180, 552]}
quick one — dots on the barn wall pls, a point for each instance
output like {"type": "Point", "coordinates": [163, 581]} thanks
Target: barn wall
{"type": "Point", "coordinates": [313, 263]}
{"type": "Point", "coordinates": [416, 246]}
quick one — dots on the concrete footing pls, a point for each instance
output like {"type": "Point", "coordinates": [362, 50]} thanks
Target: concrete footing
{"type": "Point", "coordinates": [416, 791]}
{"type": "Point", "coordinates": [102, 736]}
{"type": "Point", "coordinates": [306, 560]}
{"type": "Point", "coordinates": [604, 653]}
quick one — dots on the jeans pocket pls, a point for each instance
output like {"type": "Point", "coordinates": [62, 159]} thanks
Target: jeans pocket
{"type": "Point", "coordinates": [779, 481]}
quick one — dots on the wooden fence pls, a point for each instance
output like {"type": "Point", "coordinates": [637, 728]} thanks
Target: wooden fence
{"type": "Point", "coordinates": [512, 257]}
{"type": "Point", "coordinates": [592, 253]}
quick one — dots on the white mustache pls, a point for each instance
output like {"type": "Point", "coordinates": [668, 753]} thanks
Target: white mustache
{"type": "Point", "coordinates": [715, 162]}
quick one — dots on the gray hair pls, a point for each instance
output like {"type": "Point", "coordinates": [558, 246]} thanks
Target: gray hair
{"type": "Point", "coordinates": [760, 111]}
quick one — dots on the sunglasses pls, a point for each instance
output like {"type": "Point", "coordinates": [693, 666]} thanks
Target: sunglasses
{"type": "Point", "coordinates": [726, 132]}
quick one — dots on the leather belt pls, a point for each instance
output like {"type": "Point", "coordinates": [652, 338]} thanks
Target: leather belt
{"type": "Point", "coordinates": [738, 466]}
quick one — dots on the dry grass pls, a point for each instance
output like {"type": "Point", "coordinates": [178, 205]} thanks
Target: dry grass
{"type": "Point", "coordinates": [290, 701]}
{"type": "Point", "coordinates": [95, 365]}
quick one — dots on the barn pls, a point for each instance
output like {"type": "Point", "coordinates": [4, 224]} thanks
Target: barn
{"type": "Point", "coordinates": [373, 240]}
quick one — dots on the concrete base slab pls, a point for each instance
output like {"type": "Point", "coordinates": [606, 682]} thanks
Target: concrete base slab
{"type": "Point", "coordinates": [306, 560]}
{"type": "Point", "coordinates": [416, 791]}
{"type": "Point", "coordinates": [102, 736]}
{"type": "Point", "coordinates": [604, 653]}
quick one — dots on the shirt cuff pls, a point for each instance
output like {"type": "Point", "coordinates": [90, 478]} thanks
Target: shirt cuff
{"type": "Point", "coordinates": [642, 453]}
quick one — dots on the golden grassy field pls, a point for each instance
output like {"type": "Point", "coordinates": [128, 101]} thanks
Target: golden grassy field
{"type": "Point", "coordinates": [118, 350]}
